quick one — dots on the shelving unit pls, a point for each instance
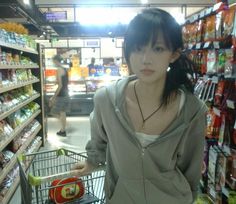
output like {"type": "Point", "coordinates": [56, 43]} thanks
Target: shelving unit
{"type": "Point", "coordinates": [14, 186]}
{"type": "Point", "coordinates": [213, 49]}
{"type": "Point", "coordinates": [38, 97]}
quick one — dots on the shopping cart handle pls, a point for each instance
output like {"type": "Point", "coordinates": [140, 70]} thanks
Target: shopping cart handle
{"type": "Point", "coordinates": [38, 180]}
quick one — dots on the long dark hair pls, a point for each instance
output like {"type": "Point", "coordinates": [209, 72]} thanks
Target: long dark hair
{"type": "Point", "coordinates": [144, 28]}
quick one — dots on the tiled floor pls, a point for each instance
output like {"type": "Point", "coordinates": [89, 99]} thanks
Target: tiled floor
{"type": "Point", "coordinates": [78, 133]}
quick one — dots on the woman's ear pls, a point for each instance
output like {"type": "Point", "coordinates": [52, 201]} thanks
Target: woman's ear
{"type": "Point", "coordinates": [176, 54]}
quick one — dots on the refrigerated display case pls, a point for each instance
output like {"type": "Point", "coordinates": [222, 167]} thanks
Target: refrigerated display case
{"type": "Point", "coordinates": [83, 81]}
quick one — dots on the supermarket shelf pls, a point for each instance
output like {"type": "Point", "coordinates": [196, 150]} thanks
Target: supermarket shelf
{"type": "Point", "coordinates": [7, 168]}
{"type": "Point", "coordinates": [17, 107]}
{"type": "Point", "coordinates": [13, 188]}
{"type": "Point", "coordinates": [19, 85]}
{"type": "Point", "coordinates": [12, 162]}
{"type": "Point", "coordinates": [17, 47]}
{"type": "Point", "coordinates": [6, 66]}
{"type": "Point", "coordinates": [8, 139]}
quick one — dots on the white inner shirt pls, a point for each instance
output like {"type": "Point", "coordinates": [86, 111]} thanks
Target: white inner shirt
{"type": "Point", "coordinates": [146, 139]}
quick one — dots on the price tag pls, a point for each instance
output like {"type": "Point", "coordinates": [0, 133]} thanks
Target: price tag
{"type": "Point", "coordinates": [215, 79]}
{"type": "Point", "coordinates": [230, 104]}
{"type": "Point", "coordinates": [202, 14]}
{"type": "Point", "coordinates": [206, 45]}
{"type": "Point", "coordinates": [195, 17]}
{"type": "Point", "coordinates": [190, 46]}
{"type": "Point", "coordinates": [226, 149]}
{"type": "Point", "coordinates": [216, 44]}
{"type": "Point", "coordinates": [225, 191]}
{"type": "Point", "coordinates": [209, 10]}
{"type": "Point", "coordinates": [212, 193]}
{"type": "Point", "coordinates": [216, 111]}
{"type": "Point", "coordinates": [217, 6]}
{"type": "Point", "coordinates": [198, 46]}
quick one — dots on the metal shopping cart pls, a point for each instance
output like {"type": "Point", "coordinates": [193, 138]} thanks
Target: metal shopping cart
{"type": "Point", "coordinates": [39, 170]}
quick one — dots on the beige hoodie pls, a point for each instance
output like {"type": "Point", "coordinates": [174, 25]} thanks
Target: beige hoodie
{"type": "Point", "coordinates": [165, 172]}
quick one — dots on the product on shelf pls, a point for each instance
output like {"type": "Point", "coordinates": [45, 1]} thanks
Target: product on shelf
{"type": "Point", "coordinates": [203, 199]}
{"type": "Point", "coordinates": [5, 157]}
{"type": "Point", "coordinates": [8, 181]}
{"type": "Point", "coordinates": [18, 87]}
{"type": "Point", "coordinates": [32, 147]}
{"type": "Point", "coordinates": [5, 130]}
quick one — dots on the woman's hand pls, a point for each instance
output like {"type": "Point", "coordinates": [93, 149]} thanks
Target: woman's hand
{"type": "Point", "coordinates": [83, 168]}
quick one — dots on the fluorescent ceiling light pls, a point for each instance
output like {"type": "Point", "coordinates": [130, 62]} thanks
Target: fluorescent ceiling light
{"type": "Point", "coordinates": [103, 16]}
{"type": "Point", "coordinates": [144, 1]}
{"type": "Point", "coordinates": [27, 2]}
{"type": "Point", "coordinates": [179, 17]}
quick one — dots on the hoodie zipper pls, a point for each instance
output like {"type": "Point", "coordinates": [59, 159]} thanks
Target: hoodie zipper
{"type": "Point", "coordinates": [144, 186]}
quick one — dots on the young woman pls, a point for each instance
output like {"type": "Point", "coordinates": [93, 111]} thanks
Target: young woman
{"type": "Point", "coordinates": [60, 100]}
{"type": "Point", "coordinates": [149, 128]}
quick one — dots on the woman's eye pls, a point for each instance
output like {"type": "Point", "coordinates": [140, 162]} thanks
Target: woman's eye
{"type": "Point", "coordinates": [158, 49]}
{"type": "Point", "coordinates": [138, 49]}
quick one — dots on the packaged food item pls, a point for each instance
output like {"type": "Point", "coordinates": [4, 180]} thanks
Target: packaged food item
{"type": "Point", "coordinates": [229, 66]}
{"type": "Point", "coordinates": [218, 25]}
{"type": "Point", "coordinates": [9, 58]}
{"type": "Point", "coordinates": [68, 189]}
{"type": "Point", "coordinates": [221, 61]}
{"type": "Point", "coordinates": [219, 93]}
{"type": "Point", "coordinates": [228, 20]}
{"type": "Point", "coordinates": [200, 31]}
{"type": "Point", "coordinates": [210, 28]}
{"type": "Point", "coordinates": [16, 59]}
{"type": "Point", "coordinates": [212, 61]}
{"type": "Point", "coordinates": [213, 124]}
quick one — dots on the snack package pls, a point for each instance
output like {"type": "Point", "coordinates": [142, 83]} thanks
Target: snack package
{"type": "Point", "coordinates": [200, 31]}
{"type": "Point", "coordinates": [219, 93]}
{"type": "Point", "coordinates": [210, 31]}
{"type": "Point", "coordinates": [221, 61]}
{"type": "Point", "coordinates": [21, 75]}
{"type": "Point", "coordinates": [229, 66]}
{"type": "Point", "coordinates": [228, 22]}
{"type": "Point", "coordinates": [219, 25]}
{"type": "Point", "coordinates": [213, 124]}
{"type": "Point", "coordinates": [212, 167]}
{"type": "Point", "coordinates": [212, 61]}
{"type": "Point", "coordinates": [66, 192]}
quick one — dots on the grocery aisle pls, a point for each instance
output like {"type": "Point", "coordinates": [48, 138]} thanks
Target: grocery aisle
{"type": "Point", "coordinates": [78, 133]}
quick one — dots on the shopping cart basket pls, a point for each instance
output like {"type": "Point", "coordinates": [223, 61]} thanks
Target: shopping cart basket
{"type": "Point", "coordinates": [38, 171]}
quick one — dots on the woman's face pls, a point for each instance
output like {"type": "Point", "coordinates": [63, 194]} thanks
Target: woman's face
{"type": "Point", "coordinates": [150, 63]}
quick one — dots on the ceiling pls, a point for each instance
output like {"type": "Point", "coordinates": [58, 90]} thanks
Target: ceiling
{"type": "Point", "coordinates": [69, 15]}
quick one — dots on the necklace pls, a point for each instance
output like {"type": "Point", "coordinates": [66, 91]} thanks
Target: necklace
{"type": "Point", "coordinates": [144, 119]}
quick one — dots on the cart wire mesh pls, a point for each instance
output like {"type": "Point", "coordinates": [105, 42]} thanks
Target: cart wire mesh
{"type": "Point", "coordinates": [47, 163]}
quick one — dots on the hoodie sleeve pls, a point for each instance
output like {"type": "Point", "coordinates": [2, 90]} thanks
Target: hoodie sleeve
{"type": "Point", "coordinates": [191, 156]}
{"type": "Point", "coordinates": [96, 147]}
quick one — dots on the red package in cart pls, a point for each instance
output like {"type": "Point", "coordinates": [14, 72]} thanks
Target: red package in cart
{"type": "Point", "coordinates": [68, 189]}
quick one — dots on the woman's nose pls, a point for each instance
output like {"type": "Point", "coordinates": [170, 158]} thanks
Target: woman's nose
{"type": "Point", "coordinates": [147, 59]}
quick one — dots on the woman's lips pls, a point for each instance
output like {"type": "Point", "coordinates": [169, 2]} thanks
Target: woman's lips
{"type": "Point", "coordinates": [147, 71]}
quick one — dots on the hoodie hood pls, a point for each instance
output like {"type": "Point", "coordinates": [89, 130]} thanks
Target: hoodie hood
{"type": "Point", "coordinates": [193, 106]}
